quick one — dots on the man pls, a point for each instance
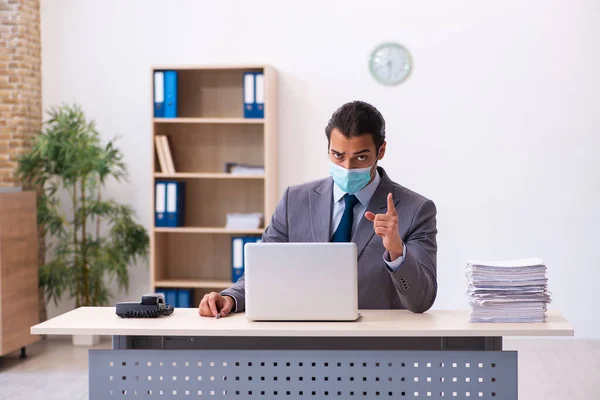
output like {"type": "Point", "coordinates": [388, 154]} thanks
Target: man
{"type": "Point", "coordinates": [393, 227]}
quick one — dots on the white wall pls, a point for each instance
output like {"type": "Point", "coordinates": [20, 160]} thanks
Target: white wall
{"type": "Point", "coordinates": [498, 124]}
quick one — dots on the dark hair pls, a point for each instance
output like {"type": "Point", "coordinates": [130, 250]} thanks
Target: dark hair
{"type": "Point", "coordinates": [355, 119]}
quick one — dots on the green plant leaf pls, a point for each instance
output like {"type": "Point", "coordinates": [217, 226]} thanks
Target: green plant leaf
{"type": "Point", "coordinates": [69, 156]}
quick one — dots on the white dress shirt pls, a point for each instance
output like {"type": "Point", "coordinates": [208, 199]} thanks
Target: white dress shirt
{"type": "Point", "coordinates": [363, 196]}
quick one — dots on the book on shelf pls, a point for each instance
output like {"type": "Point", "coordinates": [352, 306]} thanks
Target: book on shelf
{"type": "Point", "coordinates": [165, 158]}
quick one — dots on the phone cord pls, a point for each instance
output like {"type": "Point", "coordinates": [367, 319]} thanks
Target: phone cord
{"type": "Point", "coordinates": [168, 310]}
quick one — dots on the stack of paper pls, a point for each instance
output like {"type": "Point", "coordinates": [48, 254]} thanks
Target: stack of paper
{"type": "Point", "coordinates": [507, 291]}
{"type": "Point", "coordinates": [243, 221]}
{"type": "Point", "coordinates": [247, 170]}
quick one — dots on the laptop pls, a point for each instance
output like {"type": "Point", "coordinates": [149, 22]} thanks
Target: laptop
{"type": "Point", "coordinates": [301, 281]}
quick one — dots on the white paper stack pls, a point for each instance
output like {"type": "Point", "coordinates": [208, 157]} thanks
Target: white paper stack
{"type": "Point", "coordinates": [247, 170]}
{"type": "Point", "coordinates": [507, 291]}
{"type": "Point", "coordinates": [243, 221]}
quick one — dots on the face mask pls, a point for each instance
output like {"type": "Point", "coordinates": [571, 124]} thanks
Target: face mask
{"type": "Point", "coordinates": [350, 180]}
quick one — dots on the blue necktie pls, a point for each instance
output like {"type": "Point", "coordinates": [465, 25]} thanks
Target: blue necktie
{"type": "Point", "coordinates": [343, 233]}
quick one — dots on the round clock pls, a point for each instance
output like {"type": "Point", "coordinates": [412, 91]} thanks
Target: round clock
{"type": "Point", "coordinates": [390, 63]}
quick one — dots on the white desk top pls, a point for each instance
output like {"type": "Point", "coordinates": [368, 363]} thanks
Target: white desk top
{"type": "Point", "coordinates": [187, 322]}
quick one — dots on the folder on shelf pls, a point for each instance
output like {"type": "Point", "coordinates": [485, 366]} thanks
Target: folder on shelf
{"type": "Point", "coordinates": [237, 258]}
{"type": "Point", "coordinates": [254, 95]}
{"type": "Point", "coordinates": [175, 204]}
{"type": "Point", "coordinates": [160, 214]}
{"type": "Point", "coordinates": [170, 94]}
{"type": "Point", "coordinates": [259, 93]}
{"type": "Point", "coordinates": [170, 296]}
{"type": "Point", "coordinates": [184, 298]}
{"type": "Point", "coordinates": [159, 94]}
{"type": "Point", "coordinates": [249, 95]}
{"type": "Point", "coordinates": [238, 254]}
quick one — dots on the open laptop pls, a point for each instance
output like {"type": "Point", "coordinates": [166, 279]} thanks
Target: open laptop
{"type": "Point", "coordinates": [301, 281]}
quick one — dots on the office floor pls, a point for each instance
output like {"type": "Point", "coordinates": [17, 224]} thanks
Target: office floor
{"type": "Point", "coordinates": [549, 369]}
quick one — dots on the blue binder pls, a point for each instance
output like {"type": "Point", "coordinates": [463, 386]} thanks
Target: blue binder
{"type": "Point", "coordinates": [249, 102]}
{"type": "Point", "coordinates": [259, 94]}
{"type": "Point", "coordinates": [238, 254]}
{"type": "Point", "coordinates": [159, 94]}
{"type": "Point", "coordinates": [237, 258]}
{"type": "Point", "coordinates": [175, 207]}
{"type": "Point", "coordinates": [160, 204]}
{"type": "Point", "coordinates": [254, 95]}
{"type": "Point", "coordinates": [184, 298]}
{"type": "Point", "coordinates": [170, 296]}
{"type": "Point", "coordinates": [170, 94]}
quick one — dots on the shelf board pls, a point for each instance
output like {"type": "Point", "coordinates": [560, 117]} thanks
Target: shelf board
{"type": "Point", "coordinates": [210, 230]}
{"type": "Point", "coordinates": [214, 67]}
{"type": "Point", "coordinates": [192, 283]}
{"type": "Point", "coordinates": [210, 120]}
{"type": "Point", "coordinates": [206, 175]}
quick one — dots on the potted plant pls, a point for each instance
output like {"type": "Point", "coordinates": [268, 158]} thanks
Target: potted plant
{"type": "Point", "coordinates": [92, 240]}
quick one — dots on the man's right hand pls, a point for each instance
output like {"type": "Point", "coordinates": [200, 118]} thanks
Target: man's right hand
{"type": "Point", "coordinates": [213, 304]}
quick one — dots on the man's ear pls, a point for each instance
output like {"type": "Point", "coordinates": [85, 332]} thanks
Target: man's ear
{"type": "Point", "coordinates": [382, 150]}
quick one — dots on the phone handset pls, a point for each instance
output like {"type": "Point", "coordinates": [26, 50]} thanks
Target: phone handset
{"type": "Point", "coordinates": [152, 306]}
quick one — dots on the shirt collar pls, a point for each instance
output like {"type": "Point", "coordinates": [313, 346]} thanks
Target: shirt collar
{"type": "Point", "coordinates": [364, 195]}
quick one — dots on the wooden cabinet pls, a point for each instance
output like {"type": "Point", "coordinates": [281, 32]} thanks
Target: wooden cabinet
{"type": "Point", "coordinates": [19, 301]}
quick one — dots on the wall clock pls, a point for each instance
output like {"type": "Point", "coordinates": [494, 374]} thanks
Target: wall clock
{"type": "Point", "coordinates": [390, 63]}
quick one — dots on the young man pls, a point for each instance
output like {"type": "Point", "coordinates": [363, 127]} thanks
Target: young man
{"type": "Point", "coordinates": [393, 227]}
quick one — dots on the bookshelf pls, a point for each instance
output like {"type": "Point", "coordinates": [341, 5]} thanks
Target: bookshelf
{"type": "Point", "coordinates": [208, 132]}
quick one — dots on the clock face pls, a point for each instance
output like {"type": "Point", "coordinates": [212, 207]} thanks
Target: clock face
{"type": "Point", "coordinates": [390, 63]}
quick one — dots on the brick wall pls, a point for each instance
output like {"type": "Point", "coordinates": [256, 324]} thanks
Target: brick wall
{"type": "Point", "coordinates": [20, 81]}
{"type": "Point", "coordinates": [20, 91]}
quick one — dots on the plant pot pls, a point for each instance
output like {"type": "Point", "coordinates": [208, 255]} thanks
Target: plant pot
{"type": "Point", "coordinates": [85, 340]}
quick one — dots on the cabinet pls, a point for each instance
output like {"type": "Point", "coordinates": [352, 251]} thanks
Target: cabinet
{"type": "Point", "coordinates": [19, 300]}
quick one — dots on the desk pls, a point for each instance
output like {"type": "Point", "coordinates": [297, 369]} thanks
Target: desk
{"type": "Point", "coordinates": [385, 354]}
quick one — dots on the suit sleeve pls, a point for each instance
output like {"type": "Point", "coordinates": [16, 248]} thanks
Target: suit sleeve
{"type": "Point", "coordinates": [277, 231]}
{"type": "Point", "coordinates": [416, 279]}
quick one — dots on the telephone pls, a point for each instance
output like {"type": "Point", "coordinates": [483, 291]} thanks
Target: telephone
{"type": "Point", "coordinates": [152, 306]}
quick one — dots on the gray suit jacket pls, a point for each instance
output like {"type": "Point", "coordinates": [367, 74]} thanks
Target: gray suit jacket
{"type": "Point", "coordinates": [304, 213]}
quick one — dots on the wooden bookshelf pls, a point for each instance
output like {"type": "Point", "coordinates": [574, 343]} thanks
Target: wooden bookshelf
{"type": "Point", "coordinates": [210, 131]}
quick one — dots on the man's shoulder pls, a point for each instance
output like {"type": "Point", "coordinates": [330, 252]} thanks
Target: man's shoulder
{"type": "Point", "coordinates": [303, 189]}
{"type": "Point", "coordinates": [408, 197]}
{"type": "Point", "coordinates": [409, 194]}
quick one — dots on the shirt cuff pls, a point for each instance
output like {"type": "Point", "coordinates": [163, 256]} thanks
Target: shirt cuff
{"type": "Point", "coordinates": [393, 266]}
{"type": "Point", "coordinates": [234, 300]}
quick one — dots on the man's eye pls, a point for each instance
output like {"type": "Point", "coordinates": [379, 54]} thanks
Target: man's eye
{"type": "Point", "coordinates": [362, 158]}
{"type": "Point", "coordinates": [336, 155]}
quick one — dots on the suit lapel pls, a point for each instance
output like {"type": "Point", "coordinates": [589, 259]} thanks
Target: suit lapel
{"type": "Point", "coordinates": [320, 203]}
{"type": "Point", "coordinates": [378, 204]}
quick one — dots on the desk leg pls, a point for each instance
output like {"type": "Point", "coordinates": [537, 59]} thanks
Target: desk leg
{"type": "Point", "coordinates": [261, 371]}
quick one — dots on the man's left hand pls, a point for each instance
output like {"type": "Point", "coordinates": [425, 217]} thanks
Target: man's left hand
{"type": "Point", "coordinates": [386, 226]}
